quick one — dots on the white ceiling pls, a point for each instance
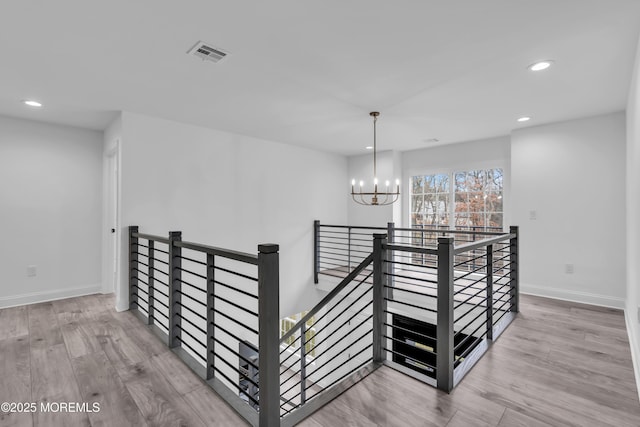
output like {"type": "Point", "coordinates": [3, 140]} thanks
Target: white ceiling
{"type": "Point", "coordinates": [308, 73]}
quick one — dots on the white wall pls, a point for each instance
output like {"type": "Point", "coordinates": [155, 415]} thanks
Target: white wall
{"type": "Point", "coordinates": [50, 211]}
{"type": "Point", "coordinates": [633, 215]}
{"type": "Point", "coordinates": [481, 154]}
{"type": "Point", "coordinates": [572, 174]}
{"type": "Point", "coordinates": [230, 191]}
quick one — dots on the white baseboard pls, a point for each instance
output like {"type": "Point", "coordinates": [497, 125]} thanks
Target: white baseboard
{"type": "Point", "coordinates": [573, 296]}
{"type": "Point", "coordinates": [632, 331]}
{"type": "Point", "coordinates": [36, 297]}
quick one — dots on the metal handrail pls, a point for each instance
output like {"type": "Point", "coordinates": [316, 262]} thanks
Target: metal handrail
{"type": "Point", "coordinates": [368, 260]}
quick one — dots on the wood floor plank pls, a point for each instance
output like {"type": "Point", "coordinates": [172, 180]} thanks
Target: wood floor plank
{"type": "Point", "coordinates": [53, 381]}
{"type": "Point", "coordinates": [159, 402]}
{"type": "Point", "coordinates": [14, 322]}
{"type": "Point", "coordinates": [210, 407]}
{"type": "Point", "coordinates": [512, 418]}
{"type": "Point", "coordinates": [15, 374]}
{"type": "Point", "coordinates": [463, 419]}
{"type": "Point", "coordinates": [182, 378]}
{"type": "Point", "coordinates": [99, 383]}
{"type": "Point", "coordinates": [44, 330]}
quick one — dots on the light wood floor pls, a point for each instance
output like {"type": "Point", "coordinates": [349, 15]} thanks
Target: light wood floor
{"type": "Point", "coordinates": [558, 364]}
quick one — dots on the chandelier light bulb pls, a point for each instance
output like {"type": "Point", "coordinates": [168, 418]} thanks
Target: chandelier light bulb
{"type": "Point", "coordinates": [397, 182]}
{"type": "Point", "coordinates": [353, 182]}
{"type": "Point", "coordinates": [361, 183]}
{"type": "Point", "coordinates": [375, 181]}
{"type": "Point", "coordinates": [387, 183]}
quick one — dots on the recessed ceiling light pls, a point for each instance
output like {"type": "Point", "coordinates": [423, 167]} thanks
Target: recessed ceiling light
{"type": "Point", "coordinates": [540, 65]}
{"type": "Point", "coordinates": [369, 147]}
{"type": "Point", "coordinates": [31, 103]}
{"type": "Point", "coordinates": [524, 119]}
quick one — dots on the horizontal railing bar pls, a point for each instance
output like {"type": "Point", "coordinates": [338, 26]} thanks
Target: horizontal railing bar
{"type": "Point", "coordinates": [411, 305]}
{"type": "Point", "coordinates": [141, 254]}
{"type": "Point", "coordinates": [328, 297]}
{"type": "Point", "coordinates": [240, 389]}
{"type": "Point", "coordinates": [470, 260]}
{"type": "Point", "coordinates": [410, 358]}
{"type": "Point", "coordinates": [408, 345]}
{"type": "Point", "coordinates": [249, 294]}
{"type": "Point", "coordinates": [475, 270]}
{"type": "Point", "coordinates": [352, 227]}
{"type": "Point", "coordinates": [236, 273]}
{"type": "Point", "coordinates": [192, 285]}
{"type": "Point", "coordinates": [142, 263]}
{"type": "Point", "coordinates": [448, 231]}
{"type": "Point", "coordinates": [481, 243]}
{"type": "Point", "coordinates": [411, 264]}
{"type": "Point", "coordinates": [413, 249]}
{"type": "Point", "coordinates": [192, 324]}
{"type": "Point", "coordinates": [481, 290]}
{"type": "Point", "coordinates": [202, 303]}
{"type": "Point", "coordinates": [192, 273]}
{"type": "Point", "coordinates": [469, 311]}
{"type": "Point", "coordinates": [138, 278]}
{"type": "Point", "coordinates": [225, 253]}
{"type": "Point", "coordinates": [473, 283]}
{"type": "Point", "coordinates": [192, 337]}
{"type": "Point", "coordinates": [407, 330]}
{"type": "Point", "coordinates": [139, 244]}
{"type": "Point", "coordinates": [482, 313]}
{"type": "Point", "coordinates": [160, 250]}
{"type": "Point", "coordinates": [233, 304]}
{"type": "Point", "coordinates": [160, 271]}
{"type": "Point", "coordinates": [161, 303]}
{"type": "Point", "coordinates": [140, 289]}
{"type": "Point", "coordinates": [495, 322]}
{"type": "Point", "coordinates": [345, 336]}
{"type": "Point", "coordinates": [344, 311]}
{"type": "Point", "coordinates": [195, 313]}
{"type": "Point", "coordinates": [192, 260]}
{"type": "Point", "coordinates": [235, 353]}
{"type": "Point", "coordinates": [249, 328]}
{"type": "Point", "coordinates": [411, 278]}
{"type": "Point", "coordinates": [151, 237]}
{"type": "Point", "coordinates": [161, 261]}
{"type": "Point", "coordinates": [157, 310]}
{"type": "Point", "coordinates": [409, 291]}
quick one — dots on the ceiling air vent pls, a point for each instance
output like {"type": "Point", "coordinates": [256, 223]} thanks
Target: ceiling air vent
{"type": "Point", "coordinates": [206, 52]}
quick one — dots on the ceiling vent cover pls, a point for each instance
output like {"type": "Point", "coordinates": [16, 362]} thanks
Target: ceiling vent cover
{"type": "Point", "coordinates": [206, 52]}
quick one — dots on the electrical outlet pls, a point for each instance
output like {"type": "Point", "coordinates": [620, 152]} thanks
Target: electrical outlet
{"type": "Point", "coordinates": [568, 268]}
{"type": "Point", "coordinates": [533, 215]}
{"type": "Point", "coordinates": [32, 271]}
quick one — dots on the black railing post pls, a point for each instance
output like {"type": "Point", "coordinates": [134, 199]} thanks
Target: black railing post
{"type": "Point", "coordinates": [269, 334]}
{"type": "Point", "coordinates": [210, 315]}
{"type": "Point", "coordinates": [444, 328]}
{"type": "Point", "coordinates": [133, 263]}
{"type": "Point", "coordinates": [150, 259]}
{"type": "Point", "coordinates": [316, 250]}
{"type": "Point", "coordinates": [175, 288]}
{"type": "Point", "coordinates": [390, 266]}
{"type": "Point", "coordinates": [303, 364]}
{"type": "Point", "coordinates": [514, 253]}
{"type": "Point", "coordinates": [379, 303]}
{"type": "Point", "coordinates": [490, 292]}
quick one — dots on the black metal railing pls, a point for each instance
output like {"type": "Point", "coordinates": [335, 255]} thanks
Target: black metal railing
{"type": "Point", "coordinates": [217, 309]}
{"type": "Point", "coordinates": [428, 310]}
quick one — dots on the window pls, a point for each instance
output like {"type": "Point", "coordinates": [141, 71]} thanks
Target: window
{"type": "Point", "coordinates": [310, 336]}
{"type": "Point", "coordinates": [476, 195]}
